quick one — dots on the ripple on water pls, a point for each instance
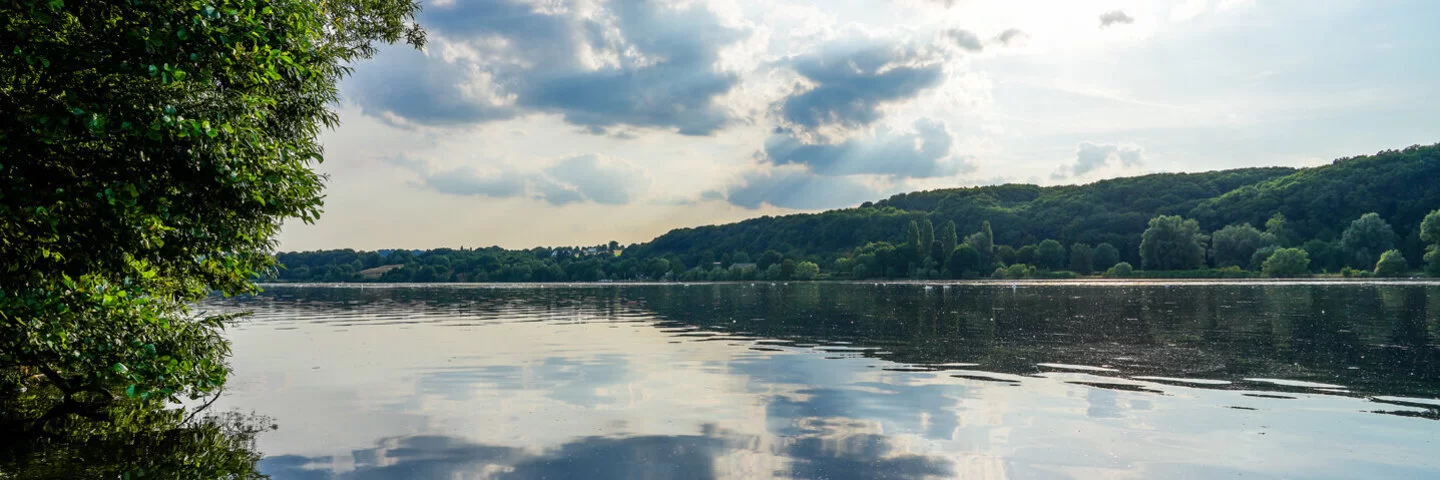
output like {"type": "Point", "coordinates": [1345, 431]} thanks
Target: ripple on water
{"type": "Point", "coordinates": [1078, 368]}
{"type": "Point", "coordinates": [1187, 381]}
{"type": "Point", "coordinates": [1295, 383]}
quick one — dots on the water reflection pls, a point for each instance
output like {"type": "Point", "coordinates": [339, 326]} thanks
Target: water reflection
{"type": "Point", "coordinates": [843, 381]}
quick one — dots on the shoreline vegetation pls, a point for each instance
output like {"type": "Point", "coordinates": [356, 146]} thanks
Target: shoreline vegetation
{"type": "Point", "coordinates": [1375, 216]}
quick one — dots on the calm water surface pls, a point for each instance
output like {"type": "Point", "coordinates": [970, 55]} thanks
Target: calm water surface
{"type": "Point", "coordinates": [842, 381]}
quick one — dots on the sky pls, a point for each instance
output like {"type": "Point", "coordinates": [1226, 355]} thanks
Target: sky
{"type": "Point", "coordinates": [576, 122]}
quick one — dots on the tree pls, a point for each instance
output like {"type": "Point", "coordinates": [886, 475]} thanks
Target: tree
{"type": "Point", "coordinates": [912, 240]}
{"type": "Point", "coordinates": [1172, 243]}
{"type": "Point", "coordinates": [1050, 255]}
{"type": "Point", "coordinates": [787, 269]}
{"type": "Point", "coordinates": [1026, 254]}
{"type": "Point", "coordinates": [1278, 228]}
{"type": "Point", "coordinates": [770, 257]}
{"type": "Point", "coordinates": [949, 238]}
{"type": "Point", "coordinates": [1432, 261]}
{"type": "Point", "coordinates": [1257, 259]}
{"type": "Point", "coordinates": [1430, 233]}
{"type": "Point", "coordinates": [1287, 262]}
{"type": "Point", "coordinates": [1430, 228]}
{"type": "Point", "coordinates": [964, 261]}
{"type": "Point", "coordinates": [149, 154]}
{"type": "Point", "coordinates": [1120, 270]}
{"type": "Point", "coordinates": [1105, 256]}
{"type": "Point", "coordinates": [1391, 264]}
{"type": "Point", "coordinates": [1235, 244]}
{"type": "Point", "coordinates": [1005, 254]}
{"type": "Point", "coordinates": [927, 238]}
{"type": "Point", "coordinates": [1365, 239]}
{"type": "Point", "coordinates": [984, 243]}
{"type": "Point", "coordinates": [1082, 258]}
{"type": "Point", "coordinates": [806, 271]}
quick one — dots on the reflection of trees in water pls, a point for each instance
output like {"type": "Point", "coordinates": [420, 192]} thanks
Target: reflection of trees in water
{"type": "Point", "coordinates": [1316, 332]}
{"type": "Point", "coordinates": [1373, 338]}
{"type": "Point", "coordinates": [126, 439]}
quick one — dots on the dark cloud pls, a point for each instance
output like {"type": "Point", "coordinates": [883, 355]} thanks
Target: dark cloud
{"type": "Point", "coordinates": [1011, 36]}
{"type": "Point", "coordinates": [852, 80]}
{"type": "Point", "coordinates": [591, 178]}
{"type": "Point", "coordinates": [797, 188]}
{"type": "Point", "coordinates": [965, 39]}
{"type": "Point", "coordinates": [636, 62]}
{"type": "Point", "coordinates": [1090, 156]}
{"type": "Point", "coordinates": [409, 86]}
{"type": "Point", "coordinates": [922, 153]}
{"type": "Point", "coordinates": [1115, 17]}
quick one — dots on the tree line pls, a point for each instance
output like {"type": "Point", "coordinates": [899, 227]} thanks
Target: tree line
{"type": "Point", "coordinates": [1347, 217]}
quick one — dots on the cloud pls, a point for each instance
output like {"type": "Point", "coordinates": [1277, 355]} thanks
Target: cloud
{"type": "Point", "coordinates": [601, 179]}
{"type": "Point", "coordinates": [410, 87]}
{"type": "Point", "coordinates": [586, 178]}
{"type": "Point", "coordinates": [1189, 9]}
{"type": "Point", "coordinates": [1011, 36]}
{"type": "Point", "coordinates": [965, 39]}
{"type": "Point", "coordinates": [797, 188]}
{"type": "Point", "coordinates": [852, 80]}
{"type": "Point", "coordinates": [638, 63]}
{"type": "Point", "coordinates": [1090, 156]}
{"type": "Point", "coordinates": [1115, 17]}
{"type": "Point", "coordinates": [925, 152]}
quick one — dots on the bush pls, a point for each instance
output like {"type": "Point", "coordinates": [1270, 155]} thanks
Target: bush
{"type": "Point", "coordinates": [1227, 272]}
{"type": "Point", "coordinates": [1287, 262]}
{"type": "Point", "coordinates": [1016, 271]}
{"type": "Point", "coordinates": [1120, 270]}
{"type": "Point", "coordinates": [1392, 264]}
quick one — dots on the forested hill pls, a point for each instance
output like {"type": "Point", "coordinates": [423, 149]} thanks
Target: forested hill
{"type": "Point", "coordinates": [1111, 211]}
{"type": "Point", "coordinates": [1049, 228]}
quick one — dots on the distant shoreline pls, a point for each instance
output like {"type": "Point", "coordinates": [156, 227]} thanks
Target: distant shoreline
{"type": "Point", "coordinates": [1421, 281]}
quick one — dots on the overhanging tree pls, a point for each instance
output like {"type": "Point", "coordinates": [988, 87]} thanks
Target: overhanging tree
{"type": "Point", "coordinates": [149, 151]}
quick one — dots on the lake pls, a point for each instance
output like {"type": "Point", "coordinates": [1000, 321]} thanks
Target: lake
{"type": "Point", "coordinates": [842, 380]}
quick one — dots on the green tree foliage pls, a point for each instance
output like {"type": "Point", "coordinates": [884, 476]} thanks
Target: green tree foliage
{"type": "Point", "coordinates": [1279, 230]}
{"type": "Point", "coordinates": [149, 152]}
{"type": "Point", "coordinates": [1026, 254]}
{"type": "Point", "coordinates": [1324, 256]}
{"type": "Point", "coordinates": [1234, 245]}
{"type": "Point", "coordinates": [964, 261]}
{"type": "Point", "coordinates": [806, 271]}
{"type": "Point", "coordinates": [1430, 234]}
{"type": "Point", "coordinates": [1366, 239]}
{"type": "Point", "coordinates": [912, 239]}
{"type": "Point", "coordinates": [1082, 258]}
{"type": "Point", "coordinates": [1014, 272]}
{"type": "Point", "coordinates": [949, 239]}
{"type": "Point", "coordinates": [1172, 243]}
{"type": "Point", "coordinates": [1005, 254]}
{"type": "Point", "coordinates": [1105, 256]}
{"type": "Point", "coordinates": [770, 257]}
{"type": "Point", "coordinates": [1120, 270]}
{"type": "Point", "coordinates": [927, 238]}
{"type": "Point", "coordinates": [1257, 259]}
{"type": "Point", "coordinates": [1050, 255]}
{"type": "Point", "coordinates": [984, 243]}
{"type": "Point", "coordinates": [1287, 262]}
{"type": "Point", "coordinates": [1391, 264]}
